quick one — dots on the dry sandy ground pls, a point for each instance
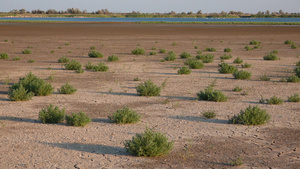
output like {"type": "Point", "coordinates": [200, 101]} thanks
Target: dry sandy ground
{"type": "Point", "coordinates": [198, 142]}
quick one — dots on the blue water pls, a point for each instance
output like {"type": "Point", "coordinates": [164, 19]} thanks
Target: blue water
{"type": "Point", "coordinates": [160, 19]}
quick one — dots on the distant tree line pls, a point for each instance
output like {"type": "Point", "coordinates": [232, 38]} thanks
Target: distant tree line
{"type": "Point", "coordinates": [76, 11]}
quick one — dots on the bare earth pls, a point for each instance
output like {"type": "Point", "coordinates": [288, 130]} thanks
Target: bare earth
{"type": "Point", "coordinates": [198, 142]}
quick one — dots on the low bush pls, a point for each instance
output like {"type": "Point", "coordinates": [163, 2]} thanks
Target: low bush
{"type": "Point", "coordinates": [185, 55]}
{"type": "Point", "coordinates": [254, 42]}
{"type": "Point", "coordinates": [210, 94]}
{"type": "Point", "coordinates": [225, 68]}
{"type": "Point", "coordinates": [162, 51]}
{"type": "Point", "coordinates": [288, 42]}
{"type": "Point", "coordinates": [226, 56]}
{"type": "Point", "coordinates": [293, 46]}
{"type": "Point", "coordinates": [227, 50]}
{"type": "Point", "coordinates": [20, 94]}
{"type": "Point", "coordinates": [31, 61]}
{"type": "Point", "coordinates": [153, 48]}
{"type": "Point", "coordinates": [3, 55]}
{"type": "Point", "coordinates": [236, 162]}
{"type": "Point", "coordinates": [95, 54]}
{"type": "Point", "coordinates": [52, 114]}
{"type": "Point", "coordinates": [246, 65]}
{"type": "Point", "coordinates": [67, 89]}
{"type": "Point", "coordinates": [73, 65]}
{"type": "Point", "coordinates": [78, 119]}
{"type": "Point", "coordinates": [210, 49]}
{"type": "Point", "coordinates": [274, 52]}
{"type": "Point", "coordinates": [264, 78]}
{"type": "Point", "coordinates": [148, 88]}
{"type": "Point", "coordinates": [138, 51]}
{"type": "Point", "coordinates": [209, 114]}
{"type": "Point", "coordinates": [237, 89]}
{"type": "Point", "coordinates": [16, 58]}
{"type": "Point", "coordinates": [80, 70]}
{"type": "Point", "coordinates": [251, 116]}
{"type": "Point", "coordinates": [294, 98]}
{"type": "Point", "coordinates": [196, 47]}
{"type": "Point", "coordinates": [63, 60]}
{"type": "Point", "coordinates": [194, 63]}
{"type": "Point", "coordinates": [206, 58]}
{"type": "Point", "coordinates": [125, 116]}
{"type": "Point", "coordinates": [112, 58]}
{"type": "Point", "coordinates": [171, 56]}
{"type": "Point", "coordinates": [242, 74]}
{"type": "Point", "coordinates": [271, 56]}
{"type": "Point", "coordinates": [174, 44]}
{"type": "Point", "coordinates": [275, 100]}
{"type": "Point", "coordinates": [100, 67]}
{"type": "Point", "coordinates": [297, 71]}
{"type": "Point", "coordinates": [238, 60]}
{"type": "Point", "coordinates": [26, 51]}
{"type": "Point", "coordinates": [152, 53]}
{"type": "Point", "coordinates": [248, 48]}
{"type": "Point", "coordinates": [92, 47]}
{"type": "Point", "coordinates": [148, 144]}
{"type": "Point", "coordinates": [298, 63]}
{"type": "Point", "coordinates": [293, 78]}
{"type": "Point", "coordinates": [184, 70]}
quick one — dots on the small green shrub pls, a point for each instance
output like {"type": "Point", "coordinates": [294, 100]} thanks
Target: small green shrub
{"type": "Point", "coordinates": [52, 51]}
{"type": "Point", "coordinates": [206, 58]}
{"type": "Point", "coordinates": [52, 114]}
{"type": "Point", "coordinates": [185, 55]}
{"type": "Point", "coordinates": [59, 47]}
{"type": "Point", "coordinates": [101, 67]}
{"type": "Point", "coordinates": [227, 50]}
{"type": "Point", "coordinates": [153, 48]}
{"type": "Point", "coordinates": [264, 78]}
{"type": "Point", "coordinates": [184, 70]}
{"type": "Point", "coordinates": [199, 52]}
{"type": "Point", "coordinates": [138, 51]}
{"type": "Point", "coordinates": [248, 48]}
{"type": "Point", "coordinates": [209, 114]}
{"type": "Point", "coordinates": [298, 63]}
{"type": "Point", "coordinates": [162, 51]}
{"type": "Point", "coordinates": [225, 68]}
{"type": "Point", "coordinates": [237, 89]}
{"type": "Point", "coordinates": [293, 46]}
{"type": "Point", "coordinates": [31, 61]}
{"type": "Point", "coordinates": [67, 89]}
{"type": "Point", "coordinates": [294, 98]}
{"type": "Point", "coordinates": [5, 40]}
{"type": "Point", "coordinates": [78, 119]}
{"type": "Point", "coordinates": [210, 49]}
{"type": "Point", "coordinates": [293, 78]}
{"type": "Point", "coordinates": [271, 56]}
{"type": "Point", "coordinates": [20, 94]}
{"type": "Point", "coordinates": [112, 58]}
{"type": "Point", "coordinates": [196, 47]}
{"type": "Point", "coordinates": [194, 63]}
{"type": "Point", "coordinates": [148, 144]}
{"type": "Point", "coordinates": [210, 94]}
{"type": "Point", "coordinates": [67, 44]}
{"type": "Point", "coordinates": [152, 53]}
{"type": "Point", "coordinates": [238, 60]}
{"type": "Point", "coordinates": [16, 58]}
{"type": "Point", "coordinates": [256, 47]}
{"type": "Point", "coordinates": [92, 47]}
{"type": "Point", "coordinates": [174, 44]}
{"type": "Point", "coordinates": [136, 79]}
{"type": "Point", "coordinates": [80, 70]}
{"type": "Point", "coordinates": [73, 65]}
{"type": "Point", "coordinates": [171, 56]}
{"type": "Point", "coordinates": [275, 100]}
{"type": "Point", "coordinates": [63, 60]}
{"type": "Point", "coordinates": [226, 56]}
{"type": "Point", "coordinates": [95, 54]}
{"type": "Point", "coordinates": [237, 162]}
{"type": "Point", "coordinates": [251, 116]}
{"type": "Point", "coordinates": [246, 65]}
{"type": "Point", "coordinates": [297, 71]}
{"type": "Point", "coordinates": [274, 52]}
{"type": "Point", "coordinates": [288, 42]}
{"type": "Point", "coordinates": [254, 42]}
{"type": "Point", "coordinates": [26, 51]}
{"type": "Point", "coordinates": [148, 88]}
{"type": "Point", "coordinates": [242, 74]}
{"type": "Point", "coordinates": [125, 116]}
{"type": "Point", "coordinates": [3, 55]}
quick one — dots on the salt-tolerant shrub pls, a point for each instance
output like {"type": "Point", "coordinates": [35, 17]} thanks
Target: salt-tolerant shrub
{"type": "Point", "coordinates": [206, 58]}
{"type": "Point", "coordinates": [298, 63]}
{"type": "Point", "coordinates": [138, 51]}
{"type": "Point", "coordinates": [237, 89]}
{"type": "Point", "coordinates": [254, 42]}
{"type": "Point", "coordinates": [271, 56]}
{"type": "Point", "coordinates": [149, 144]}
{"type": "Point", "coordinates": [288, 42]}
{"type": "Point", "coordinates": [171, 56]}
{"type": "Point", "coordinates": [162, 51]}
{"type": "Point", "coordinates": [100, 67]}
{"type": "Point", "coordinates": [26, 51]}
{"type": "Point", "coordinates": [124, 116]}
{"type": "Point", "coordinates": [16, 58]}
{"type": "Point", "coordinates": [294, 98]}
{"type": "Point", "coordinates": [95, 54]}
{"type": "Point", "coordinates": [209, 114]}
{"type": "Point", "coordinates": [246, 65]}
{"type": "Point", "coordinates": [210, 49]}
{"type": "Point", "coordinates": [78, 119]}
{"type": "Point", "coordinates": [297, 71]}
{"type": "Point", "coordinates": [293, 46]}
{"type": "Point", "coordinates": [264, 78]}
{"type": "Point", "coordinates": [31, 61]}
{"type": "Point", "coordinates": [152, 53]}
{"type": "Point", "coordinates": [225, 68]}
{"type": "Point", "coordinates": [251, 116]}
{"type": "Point", "coordinates": [238, 60]}
{"type": "Point", "coordinates": [80, 70]}
{"type": "Point", "coordinates": [210, 94]}
{"type": "Point", "coordinates": [67, 89]}
{"type": "Point", "coordinates": [20, 94]}
{"type": "Point", "coordinates": [248, 48]}
{"type": "Point", "coordinates": [293, 78]}
{"type": "Point", "coordinates": [92, 47]}
{"type": "Point", "coordinates": [174, 44]}
{"type": "Point", "coordinates": [3, 55]}
{"type": "Point", "coordinates": [63, 60]}
{"type": "Point", "coordinates": [275, 100]}
{"type": "Point", "coordinates": [226, 56]}
{"type": "Point", "coordinates": [227, 50]}
{"type": "Point", "coordinates": [194, 63]}
{"type": "Point", "coordinates": [184, 70]}
{"type": "Point", "coordinates": [242, 74]}
{"type": "Point", "coordinates": [274, 52]}
{"type": "Point", "coordinates": [73, 65]}
{"type": "Point", "coordinates": [112, 58]}
{"type": "Point", "coordinates": [148, 88]}
{"type": "Point", "coordinates": [185, 55]}
{"type": "Point", "coordinates": [52, 114]}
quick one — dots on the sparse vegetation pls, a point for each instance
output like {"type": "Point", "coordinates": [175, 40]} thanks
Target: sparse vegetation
{"type": "Point", "coordinates": [209, 114]}
{"type": "Point", "coordinates": [162, 51]}
{"type": "Point", "coordinates": [225, 68]}
{"type": "Point", "coordinates": [31, 61]}
{"type": "Point", "coordinates": [148, 144]}
{"type": "Point", "coordinates": [294, 46]}
{"type": "Point", "coordinates": [206, 58]}
{"type": "Point", "coordinates": [73, 65]}
{"type": "Point", "coordinates": [226, 56]}
{"type": "Point", "coordinates": [100, 67]}
{"type": "Point", "coordinates": [254, 42]}
{"type": "Point", "coordinates": [194, 63]}
{"type": "Point", "coordinates": [271, 56]}
{"type": "Point", "coordinates": [136, 79]}
{"type": "Point", "coordinates": [264, 78]}
{"type": "Point", "coordinates": [210, 50]}
{"type": "Point", "coordinates": [251, 116]}
{"type": "Point", "coordinates": [246, 65]}
{"type": "Point", "coordinates": [298, 63]}
{"type": "Point", "coordinates": [80, 70]}
{"type": "Point", "coordinates": [242, 74]}
{"type": "Point", "coordinates": [248, 48]}
{"type": "Point", "coordinates": [78, 119]}
{"type": "Point", "coordinates": [3, 55]}
{"type": "Point", "coordinates": [171, 56]}
{"type": "Point", "coordinates": [63, 60]}
{"type": "Point", "coordinates": [174, 44]}
{"type": "Point", "coordinates": [293, 78]}
{"type": "Point", "coordinates": [95, 54]}
{"type": "Point", "coordinates": [196, 47]}
{"type": "Point", "coordinates": [152, 53]}
{"type": "Point", "coordinates": [26, 51]}
{"type": "Point", "coordinates": [148, 88]}
{"type": "Point", "coordinates": [238, 60]}
{"type": "Point", "coordinates": [20, 94]}
{"type": "Point", "coordinates": [16, 58]}
{"type": "Point", "coordinates": [125, 116]}
{"type": "Point", "coordinates": [275, 100]}
{"type": "Point", "coordinates": [227, 50]}
{"type": "Point", "coordinates": [288, 42]}
{"type": "Point", "coordinates": [294, 98]}
{"type": "Point", "coordinates": [274, 52]}
{"type": "Point", "coordinates": [185, 55]}
{"type": "Point", "coordinates": [237, 162]}
{"type": "Point", "coordinates": [297, 71]}
{"type": "Point", "coordinates": [112, 58]}
{"type": "Point", "coordinates": [237, 89]}
{"type": "Point", "coordinates": [52, 114]}
{"type": "Point", "coordinates": [138, 51]}
{"type": "Point", "coordinates": [210, 94]}
{"type": "Point", "coordinates": [92, 47]}
{"type": "Point", "coordinates": [184, 70]}
{"type": "Point", "coordinates": [67, 89]}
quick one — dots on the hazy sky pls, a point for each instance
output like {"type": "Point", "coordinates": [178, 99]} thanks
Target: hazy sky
{"type": "Point", "coordinates": [151, 6]}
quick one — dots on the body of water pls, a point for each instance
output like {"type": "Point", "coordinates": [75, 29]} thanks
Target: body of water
{"type": "Point", "coordinates": [159, 19]}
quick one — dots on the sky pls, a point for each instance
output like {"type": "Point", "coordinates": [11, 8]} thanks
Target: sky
{"type": "Point", "coordinates": [152, 6]}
